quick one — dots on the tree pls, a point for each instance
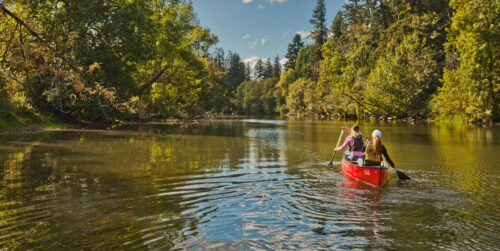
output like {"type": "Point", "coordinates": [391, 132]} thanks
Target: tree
{"type": "Point", "coordinates": [219, 58]}
{"type": "Point", "coordinates": [319, 32]}
{"type": "Point", "coordinates": [282, 88]}
{"type": "Point", "coordinates": [337, 25]}
{"type": "Point", "coordinates": [247, 71]}
{"type": "Point", "coordinates": [308, 62]}
{"type": "Point", "coordinates": [235, 70]}
{"type": "Point", "coordinates": [300, 96]}
{"type": "Point", "coordinates": [99, 60]}
{"type": "Point", "coordinates": [293, 52]}
{"type": "Point", "coordinates": [352, 11]}
{"type": "Point", "coordinates": [277, 67]}
{"type": "Point", "coordinates": [259, 70]}
{"type": "Point", "coordinates": [256, 97]}
{"type": "Point", "coordinates": [471, 86]}
{"type": "Point", "coordinates": [268, 69]}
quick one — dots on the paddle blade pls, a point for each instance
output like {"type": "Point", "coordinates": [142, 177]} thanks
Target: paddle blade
{"type": "Point", "coordinates": [401, 175]}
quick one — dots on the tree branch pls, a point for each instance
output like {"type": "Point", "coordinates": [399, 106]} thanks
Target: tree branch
{"type": "Point", "coordinates": [8, 44]}
{"type": "Point", "coordinates": [32, 32]}
{"type": "Point", "coordinates": [143, 87]}
{"type": "Point", "coordinates": [359, 103]}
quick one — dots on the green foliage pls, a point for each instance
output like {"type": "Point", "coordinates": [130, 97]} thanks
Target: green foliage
{"type": "Point", "coordinates": [259, 73]}
{"type": "Point", "coordinates": [99, 60]}
{"type": "Point", "coordinates": [235, 70]}
{"type": "Point", "coordinates": [276, 67]}
{"type": "Point", "coordinates": [307, 62]}
{"type": "Point", "coordinates": [475, 36]}
{"type": "Point", "coordinates": [319, 32]}
{"type": "Point", "coordinates": [256, 97]}
{"type": "Point", "coordinates": [383, 58]}
{"type": "Point", "coordinates": [293, 51]}
{"type": "Point", "coordinates": [337, 26]}
{"type": "Point", "coordinates": [300, 96]}
{"type": "Point", "coordinates": [282, 88]}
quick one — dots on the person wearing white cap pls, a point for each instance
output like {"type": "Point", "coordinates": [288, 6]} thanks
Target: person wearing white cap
{"type": "Point", "coordinates": [374, 150]}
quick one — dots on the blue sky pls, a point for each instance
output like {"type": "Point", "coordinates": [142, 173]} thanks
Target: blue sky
{"type": "Point", "coordinates": [259, 28]}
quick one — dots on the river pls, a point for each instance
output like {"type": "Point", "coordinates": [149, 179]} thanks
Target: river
{"type": "Point", "coordinates": [247, 184]}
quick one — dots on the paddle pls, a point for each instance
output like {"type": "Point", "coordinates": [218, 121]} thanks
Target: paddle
{"type": "Point", "coordinates": [338, 143]}
{"type": "Point", "coordinates": [401, 175]}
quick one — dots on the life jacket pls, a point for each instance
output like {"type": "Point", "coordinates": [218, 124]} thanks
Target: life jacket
{"type": "Point", "coordinates": [371, 155]}
{"type": "Point", "coordinates": [357, 145]}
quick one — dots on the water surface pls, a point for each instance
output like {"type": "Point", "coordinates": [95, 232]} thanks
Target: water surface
{"type": "Point", "coordinates": [247, 184]}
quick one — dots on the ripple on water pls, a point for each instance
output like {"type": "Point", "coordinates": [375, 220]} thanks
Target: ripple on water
{"type": "Point", "coordinates": [269, 190]}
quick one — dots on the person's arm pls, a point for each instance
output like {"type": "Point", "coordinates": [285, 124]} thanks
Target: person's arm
{"type": "Point", "coordinates": [346, 142]}
{"type": "Point", "coordinates": [386, 156]}
{"type": "Point", "coordinates": [346, 129]}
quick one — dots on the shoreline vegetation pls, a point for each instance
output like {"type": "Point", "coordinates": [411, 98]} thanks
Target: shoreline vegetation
{"type": "Point", "coordinates": [97, 63]}
{"type": "Point", "coordinates": [19, 128]}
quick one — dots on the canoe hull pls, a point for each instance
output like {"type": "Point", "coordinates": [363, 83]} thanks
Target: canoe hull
{"type": "Point", "coordinates": [373, 175]}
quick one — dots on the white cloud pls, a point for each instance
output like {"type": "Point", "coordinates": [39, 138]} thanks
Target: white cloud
{"type": "Point", "coordinates": [263, 41]}
{"type": "Point", "coordinates": [247, 1]}
{"type": "Point", "coordinates": [277, 1]}
{"type": "Point", "coordinates": [247, 36]}
{"type": "Point", "coordinates": [282, 63]}
{"type": "Point", "coordinates": [261, 6]}
{"type": "Point", "coordinates": [303, 34]}
{"type": "Point", "coordinates": [253, 44]}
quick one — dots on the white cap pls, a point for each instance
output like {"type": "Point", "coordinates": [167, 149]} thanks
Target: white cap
{"type": "Point", "coordinates": [377, 133]}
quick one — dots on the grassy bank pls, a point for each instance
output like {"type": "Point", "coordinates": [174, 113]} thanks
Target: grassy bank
{"type": "Point", "coordinates": [27, 122]}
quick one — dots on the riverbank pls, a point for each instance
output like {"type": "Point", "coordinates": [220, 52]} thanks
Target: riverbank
{"type": "Point", "coordinates": [12, 123]}
{"type": "Point", "coordinates": [21, 126]}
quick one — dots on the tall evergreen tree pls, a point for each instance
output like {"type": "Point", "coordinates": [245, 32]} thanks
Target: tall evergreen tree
{"type": "Point", "coordinates": [268, 69]}
{"type": "Point", "coordinates": [320, 32]}
{"type": "Point", "coordinates": [259, 70]}
{"type": "Point", "coordinates": [247, 71]}
{"type": "Point", "coordinates": [352, 9]}
{"type": "Point", "coordinates": [293, 51]}
{"type": "Point", "coordinates": [277, 67]}
{"type": "Point", "coordinates": [337, 24]}
{"type": "Point", "coordinates": [218, 56]}
{"type": "Point", "coordinates": [236, 70]}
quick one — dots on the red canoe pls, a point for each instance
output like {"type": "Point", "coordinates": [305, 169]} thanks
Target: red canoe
{"type": "Point", "coordinates": [373, 175]}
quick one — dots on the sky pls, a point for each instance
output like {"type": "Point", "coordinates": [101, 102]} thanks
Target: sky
{"type": "Point", "coordinates": [259, 28]}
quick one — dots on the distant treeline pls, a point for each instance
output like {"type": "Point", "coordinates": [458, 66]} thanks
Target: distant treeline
{"type": "Point", "coordinates": [111, 60]}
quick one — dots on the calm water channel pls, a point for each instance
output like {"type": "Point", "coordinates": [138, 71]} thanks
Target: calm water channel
{"type": "Point", "coordinates": [247, 184]}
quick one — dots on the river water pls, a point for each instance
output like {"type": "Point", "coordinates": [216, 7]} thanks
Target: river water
{"type": "Point", "coordinates": [247, 184]}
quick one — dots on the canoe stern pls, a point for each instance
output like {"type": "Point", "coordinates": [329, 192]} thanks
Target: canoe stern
{"type": "Point", "coordinates": [377, 175]}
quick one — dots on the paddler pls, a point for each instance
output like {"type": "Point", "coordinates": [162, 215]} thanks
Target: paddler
{"type": "Point", "coordinates": [374, 150]}
{"type": "Point", "coordinates": [355, 143]}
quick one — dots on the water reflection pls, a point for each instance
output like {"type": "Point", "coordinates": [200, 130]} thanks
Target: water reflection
{"type": "Point", "coordinates": [246, 185]}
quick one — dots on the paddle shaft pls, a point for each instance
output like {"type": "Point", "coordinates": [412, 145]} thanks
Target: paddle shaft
{"type": "Point", "coordinates": [338, 143]}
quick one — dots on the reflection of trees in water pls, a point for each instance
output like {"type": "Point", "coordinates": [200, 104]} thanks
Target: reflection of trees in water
{"type": "Point", "coordinates": [467, 157]}
{"type": "Point", "coordinates": [103, 190]}
{"type": "Point", "coordinates": [112, 189]}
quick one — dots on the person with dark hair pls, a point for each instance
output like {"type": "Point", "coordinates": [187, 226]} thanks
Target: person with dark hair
{"type": "Point", "coordinates": [355, 143]}
{"type": "Point", "coordinates": [374, 150]}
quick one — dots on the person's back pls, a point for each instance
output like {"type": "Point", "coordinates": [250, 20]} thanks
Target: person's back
{"type": "Point", "coordinates": [374, 150]}
{"type": "Point", "coordinates": [373, 153]}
